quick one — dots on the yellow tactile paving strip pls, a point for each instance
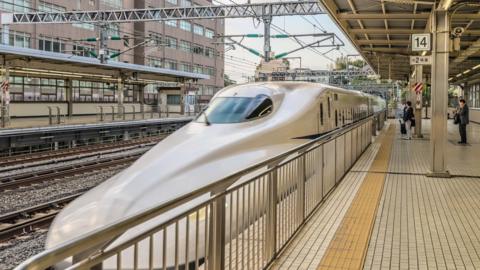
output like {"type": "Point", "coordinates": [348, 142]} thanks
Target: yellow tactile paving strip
{"type": "Point", "coordinates": [349, 245]}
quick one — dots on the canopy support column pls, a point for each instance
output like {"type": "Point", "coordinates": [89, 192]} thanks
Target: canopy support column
{"type": "Point", "coordinates": [439, 94]}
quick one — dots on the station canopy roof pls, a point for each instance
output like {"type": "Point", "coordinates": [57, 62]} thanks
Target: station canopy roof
{"type": "Point", "coordinates": [381, 30]}
{"type": "Point", "coordinates": [58, 65]}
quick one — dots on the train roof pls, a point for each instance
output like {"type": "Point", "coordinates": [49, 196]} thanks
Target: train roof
{"type": "Point", "coordinates": [284, 86]}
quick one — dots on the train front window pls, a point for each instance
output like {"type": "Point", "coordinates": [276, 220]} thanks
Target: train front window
{"type": "Point", "coordinates": [236, 109]}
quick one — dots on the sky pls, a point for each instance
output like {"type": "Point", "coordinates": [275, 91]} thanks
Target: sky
{"type": "Point", "coordinates": [239, 63]}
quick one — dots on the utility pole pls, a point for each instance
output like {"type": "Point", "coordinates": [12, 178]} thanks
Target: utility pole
{"type": "Point", "coordinates": [267, 21]}
{"type": "Point", "coordinates": [102, 52]}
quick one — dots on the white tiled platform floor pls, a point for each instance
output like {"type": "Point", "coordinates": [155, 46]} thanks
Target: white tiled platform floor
{"type": "Point", "coordinates": [309, 246]}
{"type": "Point", "coordinates": [429, 223]}
{"type": "Point", "coordinates": [421, 223]}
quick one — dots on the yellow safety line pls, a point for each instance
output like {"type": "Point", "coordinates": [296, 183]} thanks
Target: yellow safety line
{"type": "Point", "coordinates": [348, 248]}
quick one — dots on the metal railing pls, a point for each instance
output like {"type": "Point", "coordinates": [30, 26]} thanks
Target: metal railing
{"type": "Point", "coordinates": [4, 116]}
{"type": "Point", "coordinates": [54, 115]}
{"type": "Point", "coordinates": [241, 221]}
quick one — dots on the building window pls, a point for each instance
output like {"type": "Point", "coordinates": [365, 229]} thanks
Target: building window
{"type": "Point", "coordinates": [198, 29]}
{"type": "Point", "coordinates": [184, 25]}
{"type": "Point", "coordinates": [51, 45]}
{"type": "Point", "coordinates": [16, 5]}
{"type": "Point", "coordinates": [113, 3]}
{"type": "Point", "coordinates": [185, 67]}
{"type": "Point", "coordinates": [156, 38]}
{"type": "Point", "coordinates": [87, 26]}
{"type": "Point", "coordinates": [154, 62]}
{"type": "Point", "coordinates": [170, 64]}
{"type": "Point", "coordinates": [185, 46]}
{"type": "Point", "coordinates": [174, 2]}
{"type": "Point", "coordinates": [197, 68]}
{"type": "Point", "coordinates": [171, 42]}
{"type": "Point", "coordinates": [82, 50]}
{"type": "Point", "coordinates": [171, 23]}
{"type": "Point", "coordinates": [50, 7]}
{"type": "Point", "coordinates": [209, 71]}
{"type": "Point", "coordinates": [19, 39]}
{"type": "Point", "coordinates": [197, 49]}
{"type": "Point", "coordinates": [209, 52]}
{"type": "Point", "coordinates": [113, 29]}
{"type": "Point", "coordinates": [173, 99]}
{"type": "Point", "coordinates": [186, 3]}
{"type": "Point", "coordinates": [209, 33]}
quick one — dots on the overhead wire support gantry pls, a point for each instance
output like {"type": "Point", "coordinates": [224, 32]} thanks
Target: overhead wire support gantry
{"type": "Point", "coordinates": [256, 10]}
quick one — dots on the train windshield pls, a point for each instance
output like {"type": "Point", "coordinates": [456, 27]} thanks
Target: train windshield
{"type": "Point", "coordinates": [236, 109]}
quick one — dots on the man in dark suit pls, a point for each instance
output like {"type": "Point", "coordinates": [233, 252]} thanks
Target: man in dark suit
{"type": "Point", "coordinates": [464, 121]}
{"type": "Point", "coordinates": [408, 117]}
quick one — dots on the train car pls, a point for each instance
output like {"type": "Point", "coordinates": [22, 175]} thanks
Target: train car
{"type": "Point", "coordinates": [243, 125]}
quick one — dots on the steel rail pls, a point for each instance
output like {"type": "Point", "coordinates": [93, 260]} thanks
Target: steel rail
{"type": "Point", "coordinates": [55, 173]}
{"type": "Point", "coordinates": [20, 223]}
{"type": "Point", "coordinates": [19, 159]}
{"type": "Point", "coordinates": [110, 232]}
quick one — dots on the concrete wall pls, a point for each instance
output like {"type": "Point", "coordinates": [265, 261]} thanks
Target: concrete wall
{"type": "Point", "coordinates": [475, 115]}
{"type": "Point", "coordinates": [33, 109]}
{"type": "Point", "coordinates": [28, 109]}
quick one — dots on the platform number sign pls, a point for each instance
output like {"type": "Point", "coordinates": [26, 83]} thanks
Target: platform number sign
{"type": "Point", "coordinates": [421, 42]}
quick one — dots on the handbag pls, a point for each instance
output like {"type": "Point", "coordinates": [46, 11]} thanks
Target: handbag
{"type": "Point", "coordinates": [456, 119]}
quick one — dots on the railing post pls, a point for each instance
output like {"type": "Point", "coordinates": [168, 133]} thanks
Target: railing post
{"type": "Point", "coordinates": [301, 188]}
{"type": "Point", "coordinates": [271, 218]}
{"type": "Point", "coordinates": [113, 113]}
{"type": "Point", "coordinates": [216, 252]}
{"type": "Point", "coordinates": [101, 114]}
{"type": "Point", "coordinates": [50, 120]}
{"type": "Point", "coordinates": [58, 115]}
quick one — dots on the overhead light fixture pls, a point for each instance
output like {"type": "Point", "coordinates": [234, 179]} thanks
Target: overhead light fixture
{"type": "Point", "coordinates": [467, 71]}
{"type": "Point", "coordinates": [477, 66]}
{"type": "Point", "coordinates": [458, 75]}
{"type": "Point", "coordinates": [451, 78]}
{"type": "Point", "coordinates": [446, 4]}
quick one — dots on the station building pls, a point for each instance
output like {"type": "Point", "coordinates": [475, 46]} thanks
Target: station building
{"type": "Point", "coordinates": [176, 45]}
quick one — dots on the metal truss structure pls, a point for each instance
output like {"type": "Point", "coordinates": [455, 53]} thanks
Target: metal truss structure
{"type": "Point", "coordinates": [259, 10]}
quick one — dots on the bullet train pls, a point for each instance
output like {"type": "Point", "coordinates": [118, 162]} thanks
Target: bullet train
{"type": "Point", "coordinates": [243, 125]}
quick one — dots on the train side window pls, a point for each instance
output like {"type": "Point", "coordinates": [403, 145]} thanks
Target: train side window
{"type": "Point", "coordinates": [335, 96]}
{"type": "Point", "coordinates": [329, 105]}
{"type": "Point", "coordinates": [321, 113]}
{"type": "Point", "coordinates": [336, 118]}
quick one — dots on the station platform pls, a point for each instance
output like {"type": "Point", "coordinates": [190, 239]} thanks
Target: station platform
{"type": "Point", "coordinates": [387, 214]}
{"type": "Point", "coordinates": [29, 122]}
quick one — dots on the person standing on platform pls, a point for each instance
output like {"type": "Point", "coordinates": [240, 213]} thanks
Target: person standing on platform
{"type": "Point", "coordinates": [408, 117]}
{"type": "Point", "coordinates": [463, 121]}
{"type": "Point", "coordinates": [401, 113]}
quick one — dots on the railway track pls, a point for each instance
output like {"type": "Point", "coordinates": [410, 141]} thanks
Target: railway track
{"type": "Point", "coordinates": [27, 220]}
{"type": "Point", "coordinates": [52, 155]}
{"type": "Point", "coordinates": [24, 179]}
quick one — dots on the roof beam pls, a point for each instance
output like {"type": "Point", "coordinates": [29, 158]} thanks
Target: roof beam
{"type": "Point", "coordinates": [402, 16]}
{"type": "Point", "coordinates": [381, 16]}
{"type": "Point", "coordinates": [384, 31]}
{"type": "Point", "coordinates": [382, 42]}
{"type": "Point", "coordinates": [401, 31]}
